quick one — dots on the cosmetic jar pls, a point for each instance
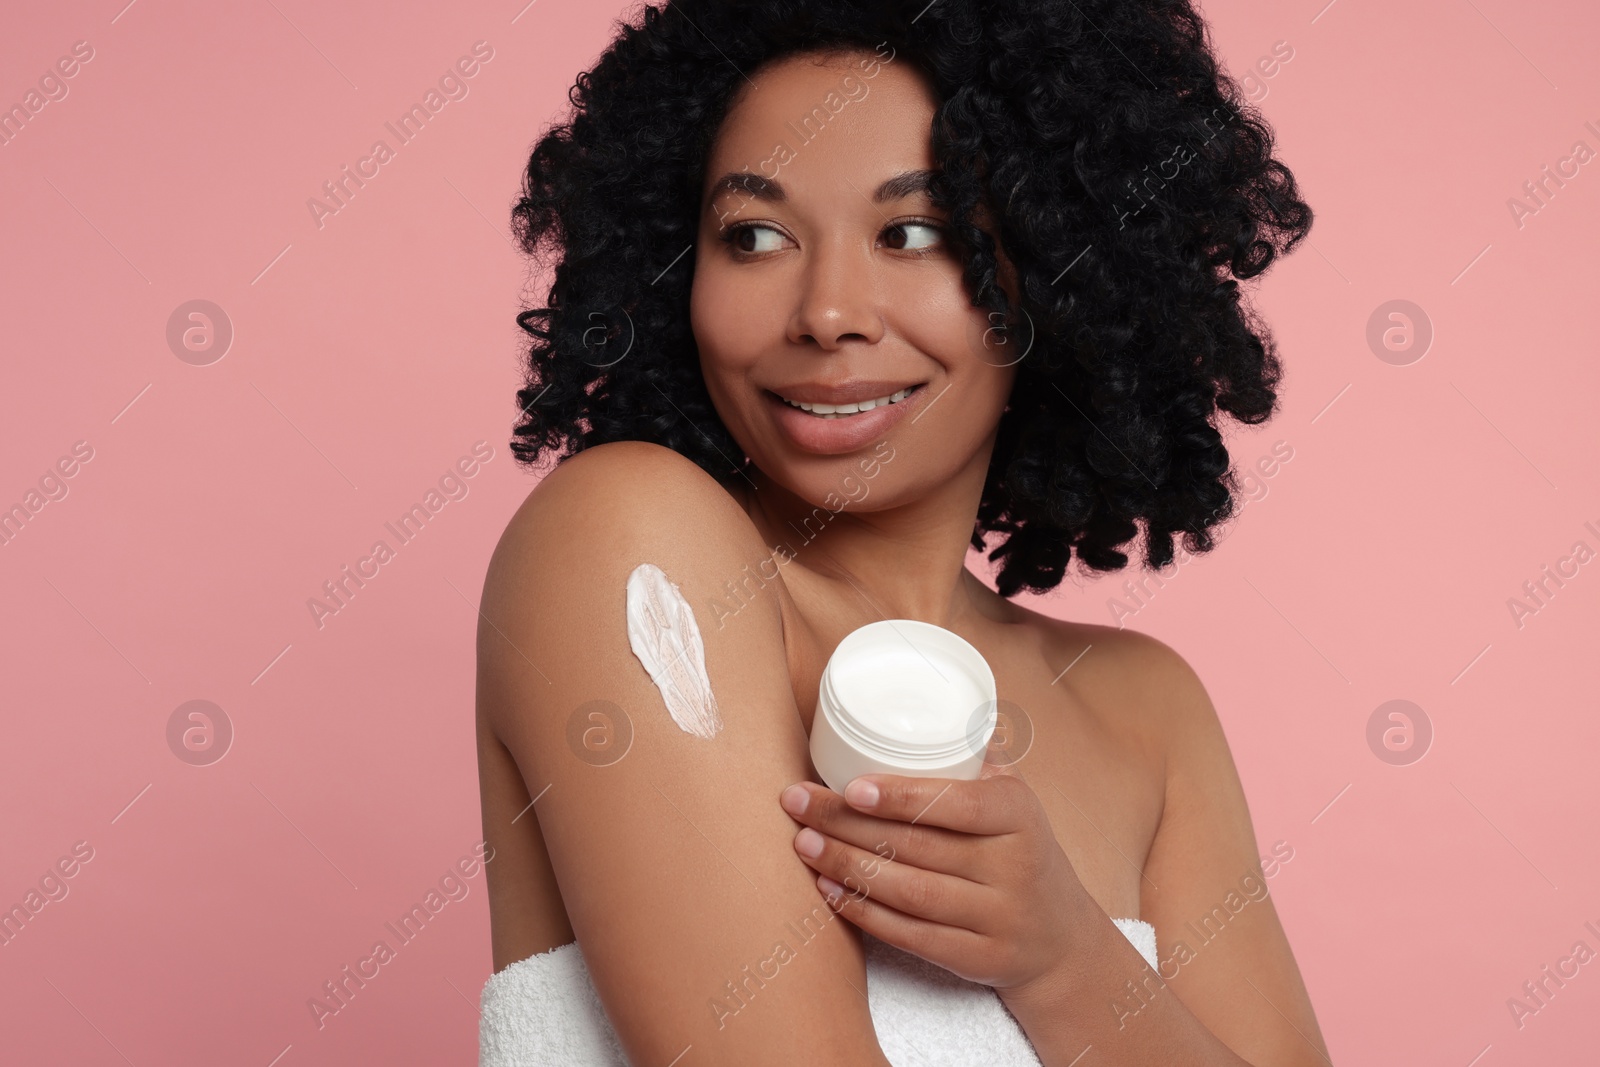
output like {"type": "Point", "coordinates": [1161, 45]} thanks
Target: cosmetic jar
{"type": "Point", "coordinates": [900, 696]}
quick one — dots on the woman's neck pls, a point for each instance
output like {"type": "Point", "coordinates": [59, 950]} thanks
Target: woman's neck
{"type": "Point", "coordinates": [902, 562]}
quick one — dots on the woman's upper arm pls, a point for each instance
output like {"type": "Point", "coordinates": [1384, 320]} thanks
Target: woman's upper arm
{"type": "Point", "coordinates": [1241, 981]}
{"type": "Point", "coordinates": [698, 923]}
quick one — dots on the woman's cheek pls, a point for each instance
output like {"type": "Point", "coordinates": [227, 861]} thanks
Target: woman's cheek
{"type": "Point", "coordinates": [732, 320]}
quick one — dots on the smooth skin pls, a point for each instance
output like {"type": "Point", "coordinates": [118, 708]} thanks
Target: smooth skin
{"type": "Point", "coordinates": [669, 858]}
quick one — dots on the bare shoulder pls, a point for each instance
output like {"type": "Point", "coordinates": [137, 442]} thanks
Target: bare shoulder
{"type": "Point", "coordinates": [628, 489]}
{"type": "Point", "coordinates": [1152, 690]}
{"type": "Point", "coordinates": [1147, 665]}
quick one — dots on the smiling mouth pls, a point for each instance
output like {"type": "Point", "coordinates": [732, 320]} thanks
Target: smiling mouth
{"type": "Point", "coordinates": [845, 411]}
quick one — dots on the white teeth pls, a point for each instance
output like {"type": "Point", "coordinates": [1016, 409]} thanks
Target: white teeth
{"type": "Point", "coordinates": [838, 411]}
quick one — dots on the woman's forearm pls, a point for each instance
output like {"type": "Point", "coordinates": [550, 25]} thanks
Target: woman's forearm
{"type": "Point", "coordinates": [1082, 1017]}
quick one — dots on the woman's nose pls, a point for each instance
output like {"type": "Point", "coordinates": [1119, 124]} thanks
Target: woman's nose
{"type": "Point", "coordinates": [838, 299]}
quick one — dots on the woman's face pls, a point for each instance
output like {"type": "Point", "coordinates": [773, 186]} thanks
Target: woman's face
{"type": "Point", "coordinates": [823, 274]}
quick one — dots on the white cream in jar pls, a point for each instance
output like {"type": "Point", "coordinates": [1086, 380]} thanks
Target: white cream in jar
{"type": "Point", "coordinates": [900, 696]}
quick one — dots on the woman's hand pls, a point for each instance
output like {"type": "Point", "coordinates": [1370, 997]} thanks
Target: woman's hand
{"type": "Point", "coordinates": [965, 874]}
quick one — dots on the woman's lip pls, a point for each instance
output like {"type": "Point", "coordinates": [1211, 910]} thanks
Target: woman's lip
{"type": "Point", "coordinates": [809, 433]}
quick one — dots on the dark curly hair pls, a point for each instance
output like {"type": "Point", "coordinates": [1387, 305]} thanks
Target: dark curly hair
{"type": "Point", "coordinates": [1123, 172]}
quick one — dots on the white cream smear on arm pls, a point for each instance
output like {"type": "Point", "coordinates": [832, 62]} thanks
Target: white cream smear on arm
{"type": "Point", "coordinates": [663, 634]}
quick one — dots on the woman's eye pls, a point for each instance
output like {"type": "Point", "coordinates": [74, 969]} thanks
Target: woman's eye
{"type": "Point", "coordinates": [913, 236]}
{"type": "Point", "coordinates": [756, 239]}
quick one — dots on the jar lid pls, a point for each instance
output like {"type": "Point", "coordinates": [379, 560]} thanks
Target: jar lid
{"type": "Point", "coordinates": [910, 688]}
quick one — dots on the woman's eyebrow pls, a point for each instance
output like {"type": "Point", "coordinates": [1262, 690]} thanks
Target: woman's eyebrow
{"type": "Point", "coordinates": [759, 187]}
{"type": "Point", "coordinates": [909, 183]}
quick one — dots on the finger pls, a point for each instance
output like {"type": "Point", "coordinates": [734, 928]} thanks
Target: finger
{"type": "Point", "coordinates": [942, 898]}
{"type": "Point", "coordinates": [991, 805]}
{"type": "Point", "coordinates": [932, 848]}
{"type": "Point", "coordinates": [954, 948]}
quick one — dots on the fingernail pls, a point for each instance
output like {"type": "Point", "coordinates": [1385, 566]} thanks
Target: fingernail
{"type": "Point", "coordinates": [861, 792]}
{"type": "Point", "coordinates": [808, 843]}
{"type": "Point", "coordinates": [794, 800]}
{"type": "Point", "coordinates": [831, 889]}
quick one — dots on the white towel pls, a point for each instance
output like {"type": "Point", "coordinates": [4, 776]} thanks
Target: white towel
{"type": "Point", "coordinates": [544, 1012]}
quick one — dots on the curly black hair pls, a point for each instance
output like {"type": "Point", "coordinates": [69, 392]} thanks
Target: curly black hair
{"type": "Point", "coordinates": [1123, 172]}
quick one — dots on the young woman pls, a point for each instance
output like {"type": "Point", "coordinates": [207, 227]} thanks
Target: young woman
{"type": "Point", "coordinates": [839, 292]}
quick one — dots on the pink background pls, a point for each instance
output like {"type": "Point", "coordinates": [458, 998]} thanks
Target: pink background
{"type": "Point", "coordinates": [370, 353]}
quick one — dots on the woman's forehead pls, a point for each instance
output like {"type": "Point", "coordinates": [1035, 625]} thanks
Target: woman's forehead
{"type": "Point", "coordinates": [818, 124]}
